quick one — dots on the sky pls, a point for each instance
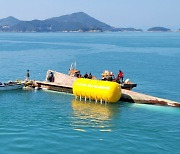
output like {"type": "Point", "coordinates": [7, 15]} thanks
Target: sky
{"type": "Point", "coordinates": [118, 13]}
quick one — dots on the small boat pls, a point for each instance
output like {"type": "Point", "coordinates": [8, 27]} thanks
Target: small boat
{"type": "Point", "coordinates": [128, 86]}
{"type": "Point", "coordinates": [125, 84]}
{"type": "Point", "coordinates": [11, 86]}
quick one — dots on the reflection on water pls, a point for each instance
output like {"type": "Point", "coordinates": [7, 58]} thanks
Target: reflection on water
{"type": "Point", "coordinates": [93, 115]}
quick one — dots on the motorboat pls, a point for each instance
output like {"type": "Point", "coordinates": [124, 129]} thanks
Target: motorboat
{"type": "Point", "coordinates": [125, 84]}
{"type": "Point", "coordinates": [11, 85]}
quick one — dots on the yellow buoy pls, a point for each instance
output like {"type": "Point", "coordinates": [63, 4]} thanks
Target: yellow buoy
{"type": "Point", "coordinates": [97, 90]}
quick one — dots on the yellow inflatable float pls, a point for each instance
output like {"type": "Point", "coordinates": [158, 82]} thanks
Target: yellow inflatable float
{"type": "Point", "coordinates": [97, 90]}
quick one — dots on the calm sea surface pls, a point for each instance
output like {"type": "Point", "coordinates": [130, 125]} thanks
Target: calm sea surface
{"type": "Point", "coordinates": [42, 122]}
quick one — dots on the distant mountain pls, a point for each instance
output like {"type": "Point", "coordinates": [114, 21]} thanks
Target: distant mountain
{"type": "Point", "coordinates": [78, 22]}
{"type": "Point", "coordinates": [159, 29]}
{"type": "Point", "coordinates": [73, 22]}
{"type": "Point", "coordinates": [81, 20]}
{"type": "Point", "coordinates": [9, 21]}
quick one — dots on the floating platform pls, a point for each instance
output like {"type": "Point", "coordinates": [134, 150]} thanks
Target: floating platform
{"type": "Point", "coordinates": [64, 83]}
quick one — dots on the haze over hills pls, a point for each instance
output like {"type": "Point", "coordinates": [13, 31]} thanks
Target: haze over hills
{"type": "Point", "coordinates": [80, 22]}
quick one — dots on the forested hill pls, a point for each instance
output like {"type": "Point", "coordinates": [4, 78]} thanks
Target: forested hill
{"type": "Point", "coordinates": [79, 22]}
{"type": "Point", "coordinates": [159, 29]}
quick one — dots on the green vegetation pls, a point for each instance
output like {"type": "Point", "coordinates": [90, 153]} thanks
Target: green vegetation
{"type": "Point", "coordinates": [79, 22]}
{"type": "Point", "coordinates": [159, 29]}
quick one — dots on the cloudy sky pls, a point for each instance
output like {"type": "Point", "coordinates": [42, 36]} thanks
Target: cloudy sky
{"type": "Point", "coordinates": [118, 13]}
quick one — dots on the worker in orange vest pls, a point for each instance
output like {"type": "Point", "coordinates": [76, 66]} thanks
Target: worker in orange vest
{"type": "Point", "coordinates": [120, 76]}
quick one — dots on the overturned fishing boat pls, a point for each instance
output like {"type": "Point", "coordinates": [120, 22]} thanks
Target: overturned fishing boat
{"type": "Point", "coordinates": [64, 83]}
{"type": "Point", "coordinates": [52, 76]}
{"type": "Point", "coordinates": [11, 86]}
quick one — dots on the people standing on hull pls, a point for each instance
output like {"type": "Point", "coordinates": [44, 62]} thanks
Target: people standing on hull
{"type": "Point", "coordinates": [50, 77]}
{"type": "Point", "coordinates": [27, 75]}
{"type": "Point", "coordinates": [111, 77]}
{"type": "Point", "coordinates": [90, 76]}
{"type": "Point", "coordinates": [78, 74]}
{"type": "Point", "coordinates": [86, 75]}
{"type": "Point", "coordinates": [120, 77]}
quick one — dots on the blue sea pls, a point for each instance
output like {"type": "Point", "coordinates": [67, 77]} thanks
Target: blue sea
{"type": "Point", "coordinates": [41, 122]}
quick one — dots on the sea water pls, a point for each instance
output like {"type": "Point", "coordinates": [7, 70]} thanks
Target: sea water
{"type": "Point", "coordinates": [50, 122]}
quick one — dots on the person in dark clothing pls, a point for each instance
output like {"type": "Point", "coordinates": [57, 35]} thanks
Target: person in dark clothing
{"type": "Point", "coordinates": [110, 78]}
{"type": "Point", "coordinates": [86, 75]}
{"type": "Point", "coordinates": [50, 77]}
{"type": "Point", "coordinates": [90, 76]}
{"type": "Point", "coordinates": [79, 75]}
{"type": "Point", "coordinates": [27, 75]}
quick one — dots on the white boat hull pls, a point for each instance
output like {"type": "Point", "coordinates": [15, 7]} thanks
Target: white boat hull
{"type": "Point", "coordinates": [11, 87]}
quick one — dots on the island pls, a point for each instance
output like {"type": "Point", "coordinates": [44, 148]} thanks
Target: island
{"type": "Point", "coordinates": [159, 29]}
{"type": "Point", "coordinates": [75, 22]}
